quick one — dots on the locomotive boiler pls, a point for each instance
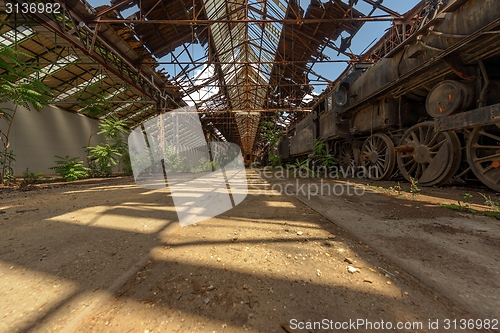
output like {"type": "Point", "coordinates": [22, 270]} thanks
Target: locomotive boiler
{"type": "Point", "coordinates": [426, 108]}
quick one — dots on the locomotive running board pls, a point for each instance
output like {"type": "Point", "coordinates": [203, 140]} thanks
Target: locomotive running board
{"type": "Point", "coordinates": [483, 116]}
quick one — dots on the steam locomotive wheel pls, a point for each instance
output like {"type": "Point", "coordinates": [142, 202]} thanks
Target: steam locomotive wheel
{"type": "Point", "coordinates": [430, 157]}
{"type": "Point", "coordinates": [378, 157]}
{"type": "Point", "coordinates": [483, 155]}
{"type": "Point", "coordinates": [347, 157]}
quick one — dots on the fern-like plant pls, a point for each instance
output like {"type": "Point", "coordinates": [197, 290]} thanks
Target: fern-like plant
{"type": "Point", "coordinates": [70, 168]}
{"type": "Point", "coordinates": [19, 86]}
{"type": "Point", "coordinates": [300, 167]}
{"type": "Point", "coordinates": [322, 156]}
{"type": "Point", "coordinates": [274, 159]}
{"type": "Point", "coordinates": [103, 158]}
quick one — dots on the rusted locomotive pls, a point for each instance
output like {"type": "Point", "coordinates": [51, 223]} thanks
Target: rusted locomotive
{"type": "Point", "coordinates": [428, 108]}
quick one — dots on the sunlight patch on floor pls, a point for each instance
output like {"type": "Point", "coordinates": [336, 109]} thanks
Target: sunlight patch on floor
{"type": "Point", "coordinates": [103, 189]}
{"type": "Point", "coordinates": [45, 291]}
{"type": "Point", "coordinates": [132, 219]}
{"type": "Point", "coordinates": [281, 204]}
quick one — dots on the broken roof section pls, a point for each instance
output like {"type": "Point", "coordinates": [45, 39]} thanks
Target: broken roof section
{"type": "Point", "coordinates": [162, 38]}
{"type": "Point", "coordinates": [302, 45]}
{"type": "Point", "coordinates": [92, 69]}
{"type": "Point", "coordinates": [245, 48]}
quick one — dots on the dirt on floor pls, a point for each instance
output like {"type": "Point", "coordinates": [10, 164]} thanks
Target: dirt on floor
{"type": "Point", "coordinates": [108, 256]}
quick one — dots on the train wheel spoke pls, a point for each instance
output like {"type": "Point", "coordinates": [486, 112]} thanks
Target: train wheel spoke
{"type": "Point", "coordinates": [434, 139]}
{"type": "Point", "coordinates": [429, 137]}
{"type": "Point", "coordinates": [421, 135]}
{"type": "Point", "coordinates": [413, 167]}
{"type": "Point", "coordinates": [478, 146]}
{"type": "Point", "coordinates": [483, 150]}
{"type": "Point", "coordinates": [436, 157]}
{"type": "Point", "coordinates": [487, 158]}
{"type": "Point", "coordinates": [378, 152]}
{"type": "Point", "coordinates": [437, 146]}
{"type": "Point", "coordinates": [487, 169]}
{"type": "Point", "coordinates": [492, 136]}
{"type": "Point", "coordinates": [415, 138]}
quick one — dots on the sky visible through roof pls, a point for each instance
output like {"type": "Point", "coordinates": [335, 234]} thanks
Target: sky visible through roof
{"type": "Point", "coordinates": [368, 35]}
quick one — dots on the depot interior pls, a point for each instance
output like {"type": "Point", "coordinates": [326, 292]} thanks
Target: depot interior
{"type": "Point", "coordinates": [397, 100]}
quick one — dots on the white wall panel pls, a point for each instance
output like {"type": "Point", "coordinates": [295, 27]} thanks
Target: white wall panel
{"type": "Point", "coordinates": [36, 137]}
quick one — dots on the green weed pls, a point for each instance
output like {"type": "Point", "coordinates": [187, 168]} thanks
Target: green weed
{"type": "Point", "coordinates": [414, 189]}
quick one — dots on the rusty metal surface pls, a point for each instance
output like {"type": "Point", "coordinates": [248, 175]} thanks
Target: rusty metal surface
{"type": "Point", "coordinates": [482, 116]}
{"type": "Point", "coordinates": [376, 117]}
{"type": "Point", "coordinates": [378, 156]}
{"type": "Point", "coordinates": [278, 79]}
{"type": "Point", "coordinates": [82, 55]}
{"type": "Point", "coordinates": [305, 134]}
{"type": "Point", "coordinates": [328, 126]}
{"type": "Point", "coordinates": [284, 148]}
{"type": "Point", "coordinates": [307, 41]}
{"type": "Point", "coordinates": [162, 39]}
{"type": "Point", "coordinates": [450, 97]}
{"type": "Point", "coordinates": [336, 100]}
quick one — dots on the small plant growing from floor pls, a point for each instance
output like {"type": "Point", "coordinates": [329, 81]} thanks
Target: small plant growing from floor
{"type": "Point", "coordinates": [414, 189]}
{"type": "Point", "coordinates": [494, 206]}
{"type": "Point", "coordinates": [467, 201]}
{"type": "Point", "coordinates": [204, 165]}
{"type": "Point", "coordinates": [30, 178]}
{"type": "Point", "coordinates": [322, 156]}
{"type": "Point", "coordinates": [396, 188]}
{"type": "Point", "coordinates": [459, 207]}
{"type": "Point", "coordinates": [7, 158]}
{"type": "Point", "coordinates": [462, 206]}
{"type": "Point", "coordinates": [174, 162]}
{"type": "Point", "coordinates": [300, 167]}
{"type": "Point", "coordinates": [494, 210]}
{"type": "Point", "coordinates": [102, 157]}
{"type": "Point", "coordinates": [70, 168]}
{"type": "Point", "coordinates": [274, 159]}
{"type": "Point", "coordinates": [127, 164]}
{"type": "Point", "coordinates": [9, 178]}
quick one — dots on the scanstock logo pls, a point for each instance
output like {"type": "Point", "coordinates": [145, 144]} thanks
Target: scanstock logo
{"type": "Point", "coordinates": [204, 179]}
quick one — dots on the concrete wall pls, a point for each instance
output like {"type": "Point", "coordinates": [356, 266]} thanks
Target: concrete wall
{"type": "Point", "coordinates": [37, 136]}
